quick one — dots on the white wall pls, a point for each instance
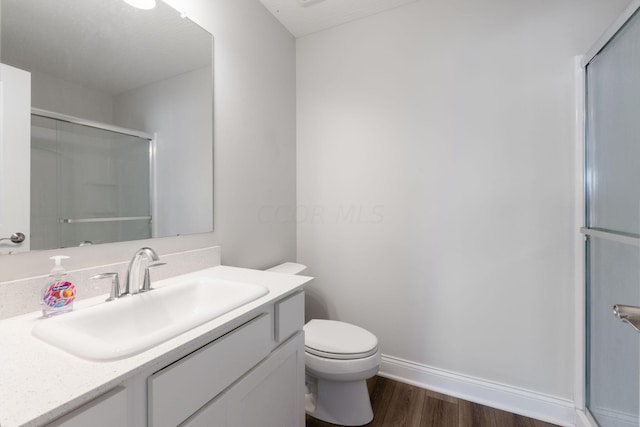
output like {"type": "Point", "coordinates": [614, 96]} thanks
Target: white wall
{"type": "Point", "coordinates": [64, 97]}
{"type": "Point", "coordinates": [175, 110]}
{"type": "Point", "coordinates": [436, 182]}
{"type": "Point", "coordinates": [254, 145]}
{"type": "Point", "coordinates": [254, 130]}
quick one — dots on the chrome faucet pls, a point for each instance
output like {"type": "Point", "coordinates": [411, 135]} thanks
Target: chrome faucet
{"type": "Point", "coordinates": [132, 285]}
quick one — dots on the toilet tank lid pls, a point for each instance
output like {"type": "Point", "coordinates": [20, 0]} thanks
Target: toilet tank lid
{"type": "Point", "coordinates": [332, 336]}
{"type": "Point", "coordinates": [288, 268]}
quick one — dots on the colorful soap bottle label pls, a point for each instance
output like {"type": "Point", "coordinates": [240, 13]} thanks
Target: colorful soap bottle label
{"type": "Point", "coordinates": [59, 294]}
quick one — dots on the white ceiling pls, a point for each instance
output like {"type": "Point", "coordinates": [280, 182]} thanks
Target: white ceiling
{"type": "Point", "coordinates": [302, 17]}
{"type": "Point", "coordinates": [104, 44]}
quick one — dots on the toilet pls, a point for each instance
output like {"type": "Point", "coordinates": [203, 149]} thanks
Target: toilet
{"type": "Point", "coordinates": [339, 358]}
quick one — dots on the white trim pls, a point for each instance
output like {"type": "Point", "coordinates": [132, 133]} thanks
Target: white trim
{"type": "Point", "coordinates": [585, 419]}
{"type": "Point", "coordinates": [517, 400]}
{"type": "Point", "coordinates": [610, 32]}
{"type": "Point", "coordinates": [610, 417]}
{"type": "Point", "coordinates": [579, 239]}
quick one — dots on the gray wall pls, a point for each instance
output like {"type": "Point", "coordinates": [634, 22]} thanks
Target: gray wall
{"type": "Point", "coordinates": [436, 146]}
{"type": "Point", "coordinates": [178, 111]}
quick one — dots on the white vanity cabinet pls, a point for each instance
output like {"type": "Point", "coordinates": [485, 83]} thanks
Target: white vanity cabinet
{"type": "Point", "coordinates": [107, 410]}
{"type": "Point", "coordinates": [243, 368]}
{"type": "Point", "coordinates": [252, 376]}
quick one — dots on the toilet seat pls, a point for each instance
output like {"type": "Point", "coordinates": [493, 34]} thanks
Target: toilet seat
{"type": "Point", "coordinates": [342, 370]}
{"type": "Point", "coordinates": [332, 339]}
{"type": "Point", "coordinates": [339, 356]}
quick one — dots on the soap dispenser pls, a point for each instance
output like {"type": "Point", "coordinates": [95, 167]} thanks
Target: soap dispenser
{"type": "Point", "coordinates": [59, 292]}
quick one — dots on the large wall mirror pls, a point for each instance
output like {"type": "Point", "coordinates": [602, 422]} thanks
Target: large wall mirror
{"type": "Point", "coordinates": [121, 123]}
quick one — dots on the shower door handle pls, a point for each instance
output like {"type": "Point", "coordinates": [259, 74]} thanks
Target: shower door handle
{"type": "Point", "coordinates": [629, 314]}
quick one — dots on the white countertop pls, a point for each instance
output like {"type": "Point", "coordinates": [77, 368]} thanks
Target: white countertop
{"type": "Point", "coordinates": [39, 382]}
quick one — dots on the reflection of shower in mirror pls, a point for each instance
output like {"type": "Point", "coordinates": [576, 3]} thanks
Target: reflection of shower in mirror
{"type": "Point", "coordinates": [90, 182]}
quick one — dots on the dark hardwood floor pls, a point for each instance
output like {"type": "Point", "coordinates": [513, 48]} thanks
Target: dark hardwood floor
{"type": "Point", "coordinates": [401, 405]}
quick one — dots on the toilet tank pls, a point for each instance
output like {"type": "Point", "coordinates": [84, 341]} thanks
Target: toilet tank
{"type": "Point", "coordinates": [288, 268]}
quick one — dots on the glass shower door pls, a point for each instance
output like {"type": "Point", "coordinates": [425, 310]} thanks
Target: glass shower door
{"type": "Point", "coordinates": [103, 185]}
{"type": "Point", "coordinates": [613, 228]}
{"type": "Point", "coordinates": [614, 347]}
{"type": "Point", "coordinates": [88, 186]}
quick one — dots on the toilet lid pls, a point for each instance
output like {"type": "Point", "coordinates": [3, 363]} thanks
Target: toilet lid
{"type": "Point", "coordinates": [338, 340]}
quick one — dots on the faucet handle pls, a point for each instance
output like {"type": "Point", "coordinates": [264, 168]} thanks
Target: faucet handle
{"type": "Point", "coordinates": [146, 284]}
{"type": "Point", "coordinates": [115, 284]}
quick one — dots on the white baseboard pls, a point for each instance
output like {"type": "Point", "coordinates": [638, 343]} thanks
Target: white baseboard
{"type": "Point", "coordinates": [513, 399]}
{"type": "Point", "coordinates": [613, 418]}
{"type": "Point", "coordinates": [584, 419]}
{"type": "Point", "coordinates": [606, 417]}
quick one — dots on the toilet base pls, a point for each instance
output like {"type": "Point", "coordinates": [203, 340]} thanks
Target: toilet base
{"type": "Point", "coordinates": [345, 403]}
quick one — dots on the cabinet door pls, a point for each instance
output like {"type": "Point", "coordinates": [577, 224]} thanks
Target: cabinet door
{"type": "Point", "coordinates": [108, 410]}
{"type": "Point", "coordinates": [179, 390]}
{"type": "Point", "coordinates": [272, 394]}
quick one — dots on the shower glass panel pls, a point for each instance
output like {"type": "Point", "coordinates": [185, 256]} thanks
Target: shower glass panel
{"type": "Point", "coordinates": [88, 186]}
{"type": "Point", "coordinates": [614, 347]}
{"type": "Point", "coordinates": [613, 92]}
{"type": "Point", "coordinates": [613, 209]}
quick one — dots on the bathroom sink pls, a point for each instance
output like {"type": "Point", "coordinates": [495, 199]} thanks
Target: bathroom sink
{"type": "Point", "coordinates": [132, 324]}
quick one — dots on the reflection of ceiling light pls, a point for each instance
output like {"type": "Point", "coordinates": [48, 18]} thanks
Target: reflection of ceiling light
{"type": "Point", "coordinates": [142, 4]}
{"type": "Point", "coordinates": [305, 3]}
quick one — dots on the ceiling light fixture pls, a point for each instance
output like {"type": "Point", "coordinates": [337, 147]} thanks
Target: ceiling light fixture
{"type": "Point", "coordinates": [142, 4]}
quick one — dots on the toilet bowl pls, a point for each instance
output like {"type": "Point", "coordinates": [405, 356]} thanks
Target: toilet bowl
{"type": "Point", "coordinates": [339, 358]}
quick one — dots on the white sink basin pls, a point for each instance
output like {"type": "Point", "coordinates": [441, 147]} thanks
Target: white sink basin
{"type": "Point", "coordinates": [132, 324]}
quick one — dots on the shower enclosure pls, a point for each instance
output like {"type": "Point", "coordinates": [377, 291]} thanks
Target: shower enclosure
{"type": "Point", "coordinates": [612, 225]}
{"type": "Point", "coordinates": [90, 183]}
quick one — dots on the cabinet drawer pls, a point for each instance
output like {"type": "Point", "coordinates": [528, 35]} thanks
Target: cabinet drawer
{"type": "Point", "coordinates": [289, 314]}
{"type": "Point", "coordinates": [182, 388]}
{"type": "Point", "coordinates": [108, 410]}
